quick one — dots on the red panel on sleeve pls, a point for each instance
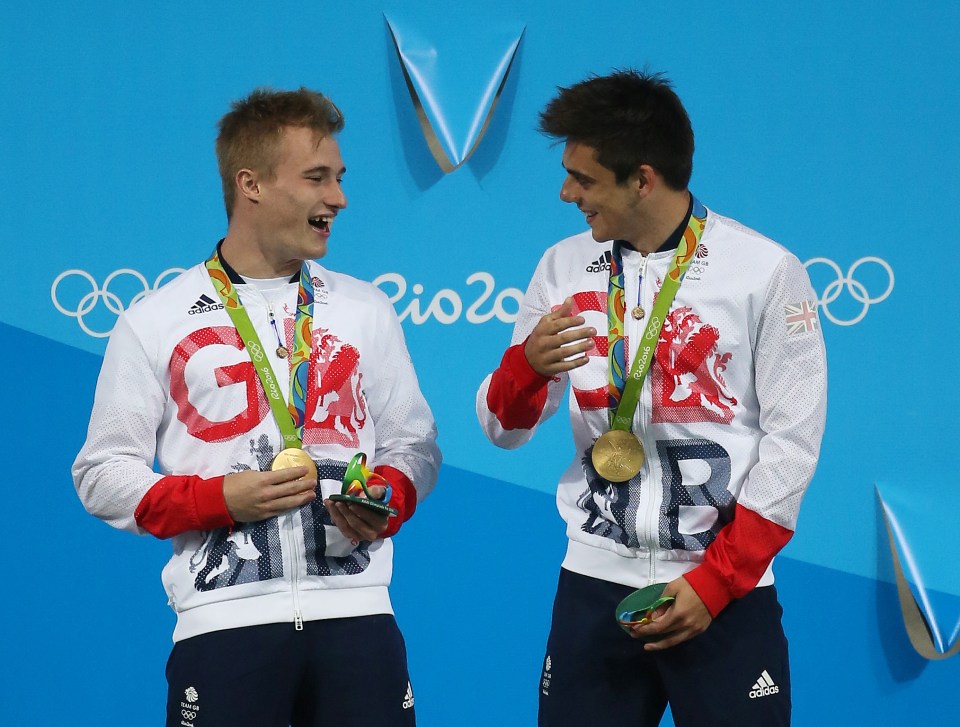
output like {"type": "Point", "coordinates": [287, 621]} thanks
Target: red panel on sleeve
{"type": "Point", "coordinates": [517, 393]}
{"type": "Point", "coordinates": [737, 559]}
{"type": "Point", "coordinates": [404, 497]}
{"type": "Point", "coordinates": [179, 503]}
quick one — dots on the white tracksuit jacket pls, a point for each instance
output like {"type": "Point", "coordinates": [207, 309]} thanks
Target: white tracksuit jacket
{"type": "Point", "coordinates": [178, 389]}
{"type": "Point", "coordinates": [731, 413]}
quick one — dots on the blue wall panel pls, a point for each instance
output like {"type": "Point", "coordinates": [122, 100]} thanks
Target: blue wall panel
{"type": "Point", "coordinates": [829, 128]}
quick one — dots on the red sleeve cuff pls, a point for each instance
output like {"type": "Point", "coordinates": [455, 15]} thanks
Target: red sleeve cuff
{"type": "Point", "coordinates": [735, 562]}
{"type": "Point", "coordinates": [517, 393]}
{"type": "Point", "coordinates": [404, 498]}
{"type": "Point", "coordinates": [179, 503]}
{"type": "Point", "coordinates": [711, 589]}
{"type": "Point", "coordinates": [526, 379]}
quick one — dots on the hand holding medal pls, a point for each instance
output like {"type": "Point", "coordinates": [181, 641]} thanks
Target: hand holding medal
{"type": "Point", "coordinates": [290, 415]}
{"type": "Point", "coordinates": [640, 607]}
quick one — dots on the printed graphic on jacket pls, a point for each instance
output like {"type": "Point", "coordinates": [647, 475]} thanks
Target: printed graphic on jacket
{"type": "Point", "coordinates": [696, 501]}
{"type": "Point", "coordinates": [592, 300]}
{"type": "Point", "coordinates": [688, 384]}
{"type": "Point", "coordinates": [335, 406]}
{"type": "Point", "coordinates": [336, 409]}
{"type": "Point", "coordinates": [611, 507]}
{"type": "Point", "coordinates": [695, 504]}
{"type": "Point", "coordinates": [251, 552]}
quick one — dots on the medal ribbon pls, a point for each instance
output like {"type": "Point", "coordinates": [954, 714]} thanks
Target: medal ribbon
{"type": "Point", "coordinates": [623, 392]}
{"type": "Point", "coordinates": [290, 418]}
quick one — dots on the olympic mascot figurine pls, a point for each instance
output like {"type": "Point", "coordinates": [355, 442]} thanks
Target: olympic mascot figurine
{"type": "Point", "coordinates": [357, 481]}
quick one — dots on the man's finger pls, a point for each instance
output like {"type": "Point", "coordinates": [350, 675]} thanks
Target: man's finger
{"type": "Point", "coordinates": [577, 335]}
{"type": "Point", "coordinates": [350, 520]}
{"type": "Point", "coordinates": [292, 502]}
{"type": "Point", "coordinates": [561, 324]}
{"type": "Point", "coordinates": [666, 642]}
{"type": "Point", "coordinates": [287, 474]}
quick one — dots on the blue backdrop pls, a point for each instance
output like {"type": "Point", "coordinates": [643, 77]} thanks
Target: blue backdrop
{"type": "Point", "coordinates": [824, 126]}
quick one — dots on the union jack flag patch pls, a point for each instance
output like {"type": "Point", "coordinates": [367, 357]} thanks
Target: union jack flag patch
{"type": "Point", "coordinates": [801, 318]}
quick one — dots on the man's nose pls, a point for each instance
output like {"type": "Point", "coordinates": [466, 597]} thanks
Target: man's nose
{"type": "Point", "coordinates": [567, 191]}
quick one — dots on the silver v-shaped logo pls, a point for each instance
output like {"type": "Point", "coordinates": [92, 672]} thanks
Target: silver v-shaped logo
{"type": "Point", "coordinates": [455, 83]}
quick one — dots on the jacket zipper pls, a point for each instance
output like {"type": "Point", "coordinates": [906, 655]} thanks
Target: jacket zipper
{"type": "Point", "coordinates": [638, 423]}
{"type": "Point", "coordinates": [294, 575]}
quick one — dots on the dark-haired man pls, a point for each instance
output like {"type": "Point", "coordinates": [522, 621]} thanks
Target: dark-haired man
{"type": "Point", "coordinates": [696, 362]}
{"type": "Point", "coordinates": [252, 380]}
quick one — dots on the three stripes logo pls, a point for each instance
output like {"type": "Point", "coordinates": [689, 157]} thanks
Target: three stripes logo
{"type": "Point", "coordinates": [204, 304]}
{"type": "Point", "coordinates": [408, 700]}
{"type": "Point", "coordinates": [764, 686]}
{"type": "Point", "coordinates": [601, 264]}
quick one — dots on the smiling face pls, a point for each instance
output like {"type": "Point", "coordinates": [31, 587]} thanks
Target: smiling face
{"type": "Point", "coordinates": [612, 210]}
{"type": "Point", "coordinates": [297, 204]}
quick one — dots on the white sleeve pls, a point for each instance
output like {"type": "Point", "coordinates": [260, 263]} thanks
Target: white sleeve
{"type": "Point", "coordinates": [791, 384]}
{"type": "Point", "coordinates": [405, 429]}
{"type": "Point", "coordinates": [114, 469]}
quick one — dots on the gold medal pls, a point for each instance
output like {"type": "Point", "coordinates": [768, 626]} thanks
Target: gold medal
{"type": "Point", "coordinates": [638, 313]}
{"type": "Point", "coordinates": [282, 351]}
{"type": "Point", "coordinates": [295, 457]}
{"type": "Point", "coordinates": [617, 455]}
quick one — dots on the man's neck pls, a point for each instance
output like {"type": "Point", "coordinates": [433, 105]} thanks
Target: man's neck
{"type": "Point", "coordinates": [664, 215]}
{"type": "Point", "coordinates": [253, 260]}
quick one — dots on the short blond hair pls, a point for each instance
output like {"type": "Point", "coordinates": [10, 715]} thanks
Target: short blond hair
{"type": "Point", "coordinates": [250, 133]}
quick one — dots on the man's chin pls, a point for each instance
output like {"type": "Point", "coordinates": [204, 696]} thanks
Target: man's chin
{"type": "Point", "coordinates": [318, 251]}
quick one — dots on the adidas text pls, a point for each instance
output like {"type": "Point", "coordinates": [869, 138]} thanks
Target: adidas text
{"type": "Point", "coordinates": [206, 309]}
{"type": "Point", "coordinates": [764, 686]}
{"type": "Point", "coordinates": [204, 304]}
{"type": "Point", "coordinates": [600, 264]}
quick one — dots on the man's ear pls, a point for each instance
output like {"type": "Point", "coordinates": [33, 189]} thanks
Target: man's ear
{"type": "Point", "coordinates": [646, 179]}
{"type": "Point", "coordinates": [248, 184]}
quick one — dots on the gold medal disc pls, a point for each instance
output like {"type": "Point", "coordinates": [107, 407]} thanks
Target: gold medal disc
{"type": "Point", "coordinates": [294, 457]}
{"type": "Point", "coordinates": [638, 313]}
{"type": "Point", "coordinates": [617, 455]}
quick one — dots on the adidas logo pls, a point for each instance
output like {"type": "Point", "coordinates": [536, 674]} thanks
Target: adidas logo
{"type": "Point", "coordinates": [204, 304]}
{"type": "Point", "coordinates": [408, 700]}
{"type": "Point", "coordinates": [600, 264]}
{"type": "Point", "coordinates": [764, 686]}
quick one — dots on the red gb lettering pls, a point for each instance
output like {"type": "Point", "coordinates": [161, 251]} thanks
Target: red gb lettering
{"type": "Point", "coordinates": [243, 373]}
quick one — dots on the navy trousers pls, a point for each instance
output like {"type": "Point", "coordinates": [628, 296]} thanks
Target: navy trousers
{"type": "Point", "coordinates": [345, 672]}
{"type": "Point", "coordinates": [736, 673]}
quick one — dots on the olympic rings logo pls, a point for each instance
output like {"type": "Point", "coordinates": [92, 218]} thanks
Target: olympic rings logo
{"type": "Point", "coordinates": [188, 714]}
{"type": "Point", "coordinates": [111, 300]}
{"type": "Point", "coordinates": [848, 282]}
{"type": "Point", "coordinates": [256, 353]}
{"type": "Point", "coordinates": [653, 329]}
{"type": "Point", "coordinates": [116, 305]}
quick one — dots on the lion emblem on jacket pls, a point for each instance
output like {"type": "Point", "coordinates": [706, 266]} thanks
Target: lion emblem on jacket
{"type": "Point", "coordinates": [688, 383]}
